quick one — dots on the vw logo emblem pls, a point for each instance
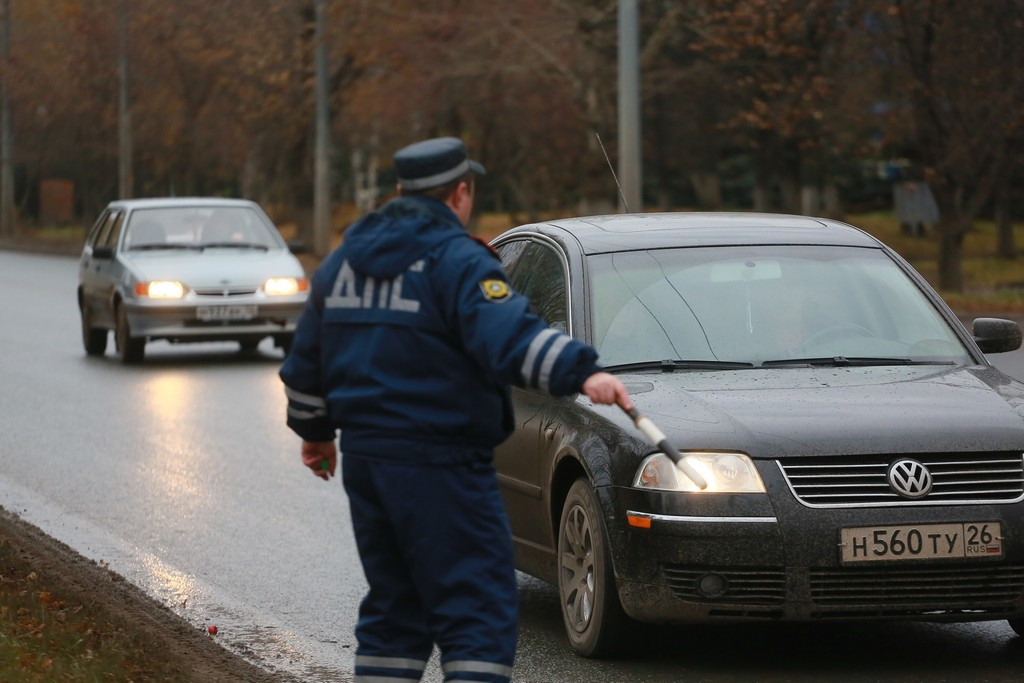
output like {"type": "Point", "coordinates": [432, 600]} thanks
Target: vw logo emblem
{"type": "Point", "coordinates": [910, 479]}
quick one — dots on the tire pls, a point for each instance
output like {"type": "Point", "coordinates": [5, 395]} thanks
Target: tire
{"type": "Point", "coordinates": [284, 342]}
{"type": "Point", "coordinates": [594, 620]}
{"type": "Point", "coordinates": [1017, 624]}
{"type": "Point", "coordinates": [94, 339]}
{"type": "Point", "coordinates": [130, 349]}
{"type": "Point", "coordinates": [248, 345]}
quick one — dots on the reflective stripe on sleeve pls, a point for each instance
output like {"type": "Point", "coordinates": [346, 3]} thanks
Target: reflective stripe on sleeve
{"type": "Point", "coordinates": [306, 414]}
{"type": "Point", "coordinates": [544, 379]}
{"type": "Point", "coordinates": [530, 362]}
{"type": "Point", "coordinates": [305, 399]}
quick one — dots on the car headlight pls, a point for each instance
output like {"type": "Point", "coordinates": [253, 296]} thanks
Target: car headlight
{"type": "Point", "coordinates": [283, 286]}
{"type": "Point", "coordinates": [724, 473]}
{"type": "Point", "coordinates": [160, 289]}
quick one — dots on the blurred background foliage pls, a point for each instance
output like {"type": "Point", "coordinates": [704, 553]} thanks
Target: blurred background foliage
{"type": "Point", "coordinates": [806, 106]}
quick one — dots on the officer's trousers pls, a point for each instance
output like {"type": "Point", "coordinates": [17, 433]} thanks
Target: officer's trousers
{"type": "Point", "coordinates": [437, 553]}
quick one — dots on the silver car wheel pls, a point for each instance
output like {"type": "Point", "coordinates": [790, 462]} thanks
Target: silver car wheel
{"type": "Point", "coordinates": [94, 339]}
{"type": "Point", "coordinates": [131, 349]}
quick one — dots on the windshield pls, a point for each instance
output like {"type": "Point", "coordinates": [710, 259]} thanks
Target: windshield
{"type": "Point", "coordinates": [199, 227]}
{"type": "Point", "coordinates": [763, 304]}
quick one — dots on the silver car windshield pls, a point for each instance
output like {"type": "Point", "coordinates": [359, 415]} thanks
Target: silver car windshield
{"type": "Point", "coordinates": [199, 228]}
{"type": "Point", "coordinates": [764, 306]}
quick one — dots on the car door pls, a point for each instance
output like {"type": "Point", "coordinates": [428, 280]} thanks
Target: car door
{"type": "Point", "coordinates": [99, 270]}
{"type": "Point", "coordinates": [536, 271]}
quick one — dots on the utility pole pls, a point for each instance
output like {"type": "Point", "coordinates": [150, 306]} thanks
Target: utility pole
{"type": "Point", "coordinates": [124, 114]}
{"type": "Point", "coordinates": [630, 162]}
{"type": "Point", "coordinates": [322, 161]}
{"type": "Point", "coordinates": [7, 154]}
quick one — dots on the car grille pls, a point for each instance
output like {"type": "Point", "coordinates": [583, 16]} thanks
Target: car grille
{"type": "Point", "coordinates": [857, 481]}
{"type": "Point", "coordinates": [937, 588]}
{"type": "Point", "coordinates": [746, 585]}
{"type": "Point", "coordinates": [221, 292]}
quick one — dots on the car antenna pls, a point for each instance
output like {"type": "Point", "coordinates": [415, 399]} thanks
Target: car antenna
{"type": "Point", "coordinates": [612, 169]}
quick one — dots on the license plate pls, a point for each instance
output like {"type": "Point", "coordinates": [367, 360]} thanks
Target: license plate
{"type": "Point", "coordinates": [232, 312]}
{"type": "Point", "coordinates": [920, 542]}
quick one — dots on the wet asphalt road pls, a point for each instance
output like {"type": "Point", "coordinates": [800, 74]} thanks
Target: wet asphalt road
{"type": "Point", "coordinates": [181, 476]}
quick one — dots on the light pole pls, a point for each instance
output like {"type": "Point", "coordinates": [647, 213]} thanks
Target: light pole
{"type": "Point", "coordinates": [125, 173]}
{"type": "Point", "coordinates": [630, 161]}
{"type": "Point", "coordinates": [7, 155]}
{"type": "Point", "coordinates": [322, 161]}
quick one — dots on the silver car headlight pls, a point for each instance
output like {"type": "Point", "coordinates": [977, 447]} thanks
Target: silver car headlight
{"type": "Point", "coordinates": [724, 473]}
{"type": "Point", "coordinates": [160, 289]}
{"type": "Point", "coordinates": [285, 286]}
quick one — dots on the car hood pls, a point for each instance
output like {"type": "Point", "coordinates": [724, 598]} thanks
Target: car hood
{"type": "Point", "coordinates": [215, 267]}
{"type": "Point", "coordinates": [772, 413]}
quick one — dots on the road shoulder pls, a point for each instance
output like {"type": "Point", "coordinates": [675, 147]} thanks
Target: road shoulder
{"type": "Point", "coordinates": [195, 655]}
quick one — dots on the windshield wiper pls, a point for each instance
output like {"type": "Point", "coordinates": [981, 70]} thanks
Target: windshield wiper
{"type": "Point", "coordinates": [237, 245]}
{"type": "Point", "coordinates": [846, 361]}
{"type": "Point", "coordinates": [162, 245]}
{"type": "Point", "coordinates": [672, 365]}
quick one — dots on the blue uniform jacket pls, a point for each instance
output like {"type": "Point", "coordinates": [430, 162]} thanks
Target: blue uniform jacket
{"type": "Point", "coordinates": [411, 337]}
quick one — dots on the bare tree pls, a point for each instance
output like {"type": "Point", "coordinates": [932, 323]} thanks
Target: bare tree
{"type": "Point", "coordinates": [966, 104]}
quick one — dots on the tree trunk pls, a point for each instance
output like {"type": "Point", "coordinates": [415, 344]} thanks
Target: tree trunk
{"type": "Point", "coordinates": [762, 190]}
{"type": "Point", "coordinates": [708, 189]}
{"type": "Point", "coordinates": [1005, 247]}
{"type": "Point", "coordinates": [810, 200]}
{"type": "Point", "coordinates": [789, 189]}
{"type": "Point", "coordinates": [951, 242]}
{"type": "Point", "coordinates": [762, 202]}
{"type": "Point", "coordinates": [832, 203]}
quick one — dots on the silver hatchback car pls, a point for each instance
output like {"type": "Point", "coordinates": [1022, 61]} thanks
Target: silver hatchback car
{"type": "Point", "coordinates": [187, 270]}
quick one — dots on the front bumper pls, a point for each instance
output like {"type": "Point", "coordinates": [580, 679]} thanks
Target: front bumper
{"type": "Point", "coordinates": [738, 557]}
{"type": "Point", "coordinates": [178, 321]}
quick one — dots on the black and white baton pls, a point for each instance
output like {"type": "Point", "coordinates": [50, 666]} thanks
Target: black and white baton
{"type": "Point", "coordinates": [659, 439]}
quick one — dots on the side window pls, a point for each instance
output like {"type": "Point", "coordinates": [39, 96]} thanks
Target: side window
{"type": "Point", "coordinates": [108, 224]}
{"type": "Point", "coordinates": [509, 253]}
{"type": "Point", "coordinates": [540, 277]}
{"type": "Point", "coordinates": [115, 231]}
{"type": "Point", "coordinates": [97, 229]}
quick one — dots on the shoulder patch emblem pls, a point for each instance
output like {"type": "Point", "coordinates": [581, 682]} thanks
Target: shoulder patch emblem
{"type": "Point", "coordinates": [495, 290]}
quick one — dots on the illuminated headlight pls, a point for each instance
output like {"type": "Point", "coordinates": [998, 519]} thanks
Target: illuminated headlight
{"type": "Point", "coordinates": [160, 289]}
{"type": "Point", "coordinates": [724, 472]}
{"type": "Point", "coordinates": [282, 286]}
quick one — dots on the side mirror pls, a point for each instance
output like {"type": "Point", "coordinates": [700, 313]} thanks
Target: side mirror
{"type": "Point", "coordinates": [297, 246]}
{"type": "Point", "coordinates": [103, 252]}
{"type": "Point", "coordinates": [995, 335]}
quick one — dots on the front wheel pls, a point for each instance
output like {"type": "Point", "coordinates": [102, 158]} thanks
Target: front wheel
{"type": "Point", "coordinates": [94, 339]}
{"type": "Point", "coordinates": [248, 345]}
{"type": "Point", "coordinates": [1017, 624]}
{"type": "Point", "coordinates": [130, 349]}
{"type": "Point", "coordinates": [284, 342]}
{"type": "Point", "coordinates": [594, 619]}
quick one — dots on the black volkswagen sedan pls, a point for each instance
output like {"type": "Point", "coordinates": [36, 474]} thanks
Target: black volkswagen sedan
{"type": "Point", "coordinates": [861, 458]}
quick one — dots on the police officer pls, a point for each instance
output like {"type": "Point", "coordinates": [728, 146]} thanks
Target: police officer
{"type": "Point", "coordinates": [408, 344]}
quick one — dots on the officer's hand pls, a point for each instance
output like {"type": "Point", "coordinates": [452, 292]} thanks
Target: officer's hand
{"type": "Point", "coordinates": [321, 457]}
{"type": "Point", "coordinates": [602, 387]}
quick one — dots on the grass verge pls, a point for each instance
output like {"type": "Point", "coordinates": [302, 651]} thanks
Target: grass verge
{"type": "Point", "coordinates": [64, 618]}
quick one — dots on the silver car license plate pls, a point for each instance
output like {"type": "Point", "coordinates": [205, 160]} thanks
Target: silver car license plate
{"type": "Point", "coordinates": [920, 542]}
{"type": "Point", "coordinates": [229, 312]}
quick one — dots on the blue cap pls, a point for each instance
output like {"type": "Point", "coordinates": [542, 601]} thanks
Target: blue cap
{"type": "Point", "coordinates": [432, 163]}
